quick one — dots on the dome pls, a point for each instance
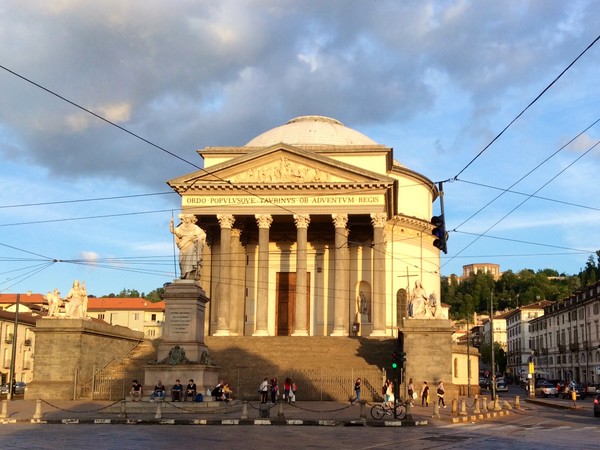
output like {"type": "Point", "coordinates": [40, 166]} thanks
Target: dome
{"type": "Point", "coordinates": [311, 130]}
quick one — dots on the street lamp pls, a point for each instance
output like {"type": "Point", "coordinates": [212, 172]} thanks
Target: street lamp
{"type": "Point", "coordinates": [12, 381]}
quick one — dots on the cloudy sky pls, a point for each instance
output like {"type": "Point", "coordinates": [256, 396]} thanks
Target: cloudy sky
{"type": "Point", "coordinates": [81, 198]}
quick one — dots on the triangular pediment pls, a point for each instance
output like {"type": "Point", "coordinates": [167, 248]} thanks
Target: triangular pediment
{"type": "Point", "coordinates": [282, 164]}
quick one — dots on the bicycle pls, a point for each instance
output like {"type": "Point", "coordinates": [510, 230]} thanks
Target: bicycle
{"type": "Point", "coordinates": [379, 411]}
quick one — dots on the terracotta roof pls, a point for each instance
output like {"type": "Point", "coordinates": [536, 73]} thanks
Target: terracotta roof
{"type": "Point", "coordinates": [25, 298]}
{"type": "Point", "coordinates": [108, 303]}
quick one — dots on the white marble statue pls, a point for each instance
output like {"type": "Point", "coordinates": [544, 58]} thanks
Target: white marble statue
{"type": "Point", "coordinates": [54, 302]}
{"type": "Point", "coordinates": [190, 239]}
{"type": "Point", "coordinates": [76, 298]}
{"type": "Point", "coordinates": [418, 301]}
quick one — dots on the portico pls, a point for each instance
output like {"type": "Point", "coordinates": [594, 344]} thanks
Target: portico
{"type": "Point", "coordinates": [302, 220]}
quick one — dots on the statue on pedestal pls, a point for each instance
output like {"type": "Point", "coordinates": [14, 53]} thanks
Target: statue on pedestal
{"type": "Point", "coordinates": [190, 239]}
{"type": "Point", "coordinates": [54, 302]}
{"type": "Point", "coordinates": [77, 299]}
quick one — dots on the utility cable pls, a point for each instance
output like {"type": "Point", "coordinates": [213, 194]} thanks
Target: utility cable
{"type": "Point", "coordinates": [528, 106]}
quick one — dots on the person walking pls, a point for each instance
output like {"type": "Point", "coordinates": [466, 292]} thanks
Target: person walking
{"type": "Point", "coordinates": [287, 388]}
{"type": "Point", "coordinates": [411, 392]}
{"type": "Point", "coordinates": [440, 393]}
{"type": "Point", "coordinates": [425, 394]}
{"type": "Point", "coordinates": [263, 390]}
{"type": "Point", "coordinates": [274, 390]}
{"type": "Point", "coordinates": [357, 385]}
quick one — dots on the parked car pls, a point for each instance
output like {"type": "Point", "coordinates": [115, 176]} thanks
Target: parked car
{"type": "Point", "coordinates": [597, 406]}
{"type": "Point", "coordinates": [579, 391]}
{"type": "Point", "coordinates": [501, 386]}
{"type": "Point", "coordinates": [546, 390]}
{"type": "Point", "coordinates": [592, 389]}
{"type": "Point", "coordinates": [19, 388]}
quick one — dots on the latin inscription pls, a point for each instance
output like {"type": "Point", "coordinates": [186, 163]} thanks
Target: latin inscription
{"type": "Point", "coordinates": [327, 200]}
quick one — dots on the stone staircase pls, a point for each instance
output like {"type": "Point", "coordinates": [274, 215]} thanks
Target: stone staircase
{"type": "Point", "coordinates": [324, 368]}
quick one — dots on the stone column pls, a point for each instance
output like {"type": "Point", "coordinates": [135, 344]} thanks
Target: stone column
{"type": "Point", "coordinates": [301, 325]}
{"type": "Point", "coordinates": [226, 222]}
{"type": "Point", "coordinates": [264, 222]}
{"type": "Point", "coordinates": [341, 305]}
{"type": "Point", "coordinates": [237, 268]}
{"type": "Point", "coordinates": [379, 295]}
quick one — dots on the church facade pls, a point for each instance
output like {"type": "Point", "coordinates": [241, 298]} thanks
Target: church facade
{"type": "Point", "coordinates": [312, 229]}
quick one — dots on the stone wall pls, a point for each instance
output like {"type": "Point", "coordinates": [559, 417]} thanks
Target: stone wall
{"type": "Point", "coordinates": [70, 348]}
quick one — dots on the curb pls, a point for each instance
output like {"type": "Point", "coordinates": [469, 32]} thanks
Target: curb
{"type": "Point", "coordinates": [230, 422]}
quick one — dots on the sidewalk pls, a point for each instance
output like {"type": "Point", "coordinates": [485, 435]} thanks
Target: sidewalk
{"type": "Point", "coordinates": [217, 413]}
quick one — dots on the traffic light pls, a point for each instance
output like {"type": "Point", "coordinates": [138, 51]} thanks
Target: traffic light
{"type": "Point", "coordinates": [395, 360]}
{"type": "Point", "coordinates": [439, 231]}
{"type": "Point", "coordinates": [402, 358]}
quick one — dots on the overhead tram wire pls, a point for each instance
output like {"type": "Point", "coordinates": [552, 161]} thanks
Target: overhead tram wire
{"type": "Point", "coordinates": [62, 202]}
{"type": "Point", "coordinates": [528, 173]}
{"type": "Point", "coordinates": [527, 107]}
{"type": "Point", "coordinates": [98, 116]}
{"type": "Point", "coordinates": [524, 201]}
{"type": "Point", "coordinates": [537, 197]}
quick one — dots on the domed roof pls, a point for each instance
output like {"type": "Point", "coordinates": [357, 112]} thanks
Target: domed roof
{"type": "Point", "coordinates": [311, 130]}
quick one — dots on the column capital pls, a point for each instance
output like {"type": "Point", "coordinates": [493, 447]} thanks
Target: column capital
{"type": "Point", "coordinates": [301, 220]}
{"type": "Point", "coordinates": [264, 220]}
{"type": "Point", "coordinates": [378, 219]}
{"type": "Point", "coordinates": [226, 220]}
{"type": "Point", "coordinates": [340, 220]}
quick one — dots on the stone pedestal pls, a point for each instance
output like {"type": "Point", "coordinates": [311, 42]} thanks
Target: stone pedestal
{"type": "Point", "coordinates": [182, 352]}
{"type": "Point", "coordinates": [428, 347]}
{"type": "Point", "coordinates": [67, 350]}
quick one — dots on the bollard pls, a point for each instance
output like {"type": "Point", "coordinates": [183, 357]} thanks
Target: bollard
{"type": "Point", "coordinates": [454, 407]}
{"type": "Point", "coordinates": [506, 405]}
{"type": "Point", "coordinates": [158, 410]}
{"type": "Point", "coordinates": [363, 409]}
{"type": "Point", "coordinates": [497, 404]}
{"type": "Point", "coordinates": [123, 413]}
{"type": "Point", "coordinates": [280, 411]}
{"type": "Point", "coordinates": [517, 402]}
{"type": "Point", "coordinates": [477, 410]}
{"type": "Point", "coordinates": [4, 413]}
{"type": "Point", "coordinates": [463, 408]}
{"type": "Point", "coordinates": [436, 410]}
{"type": "Point", "coordinates": [244, 409]}
{"type": "Point", "coordinates": [38, 410]}
{"type": "Point", "coordinates": [408, 413]}
{"type": "Point", "coordinates": [484, 408]}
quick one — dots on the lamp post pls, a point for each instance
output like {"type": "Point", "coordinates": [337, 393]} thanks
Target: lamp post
{"type": "Point", "coordinates": [12, 381]}
{"type": "Point", "coordinates": [492, 339]}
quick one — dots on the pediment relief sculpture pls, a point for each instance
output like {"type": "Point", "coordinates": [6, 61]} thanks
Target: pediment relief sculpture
{"type": "Point", "coordinates": [282, 171]}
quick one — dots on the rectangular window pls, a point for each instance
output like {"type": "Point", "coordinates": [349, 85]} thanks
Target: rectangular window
{"type": "Point", "coordinates": [153, 317]}
{"type": "Point", "coordinates": [136, 316]}
{"type": "Point", "coordinates": [101, 316]}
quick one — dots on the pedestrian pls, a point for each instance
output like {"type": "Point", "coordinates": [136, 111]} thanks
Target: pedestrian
{"type": "Point", "coordinates": [389, 394]}
{"type": "Point", "coordinates": [440, 393]}
{"type": "Point", "coordinates": [190, 391]}
{"type": "Point", "coordinates": [356, 398]}
{"type": "Point", "coordinates": [274, 390]}
{"type": "Point", "coordinates": [287, 388]}
{"type": "Point", "coordinates": [425, 394]}
{"type": "Point", "coordinates": [293, 393]}
{"type": "Point", "coordinates": [136, 392]}
{"type": "Point", "coordinates": [411, 392]}
{"type": "Point", "coordinates": [176, 391]}
{"type": "Point", "coordinates": [263, 390]}
{"type": "Point", "coordinates": [159, 391]}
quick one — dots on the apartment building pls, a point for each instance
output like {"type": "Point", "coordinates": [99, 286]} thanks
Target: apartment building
{"type": "Point", "coordinates": [565, 341]}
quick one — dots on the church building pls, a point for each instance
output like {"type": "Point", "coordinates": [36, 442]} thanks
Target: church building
{"type": "Point", "coordinates": [312, 229]}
